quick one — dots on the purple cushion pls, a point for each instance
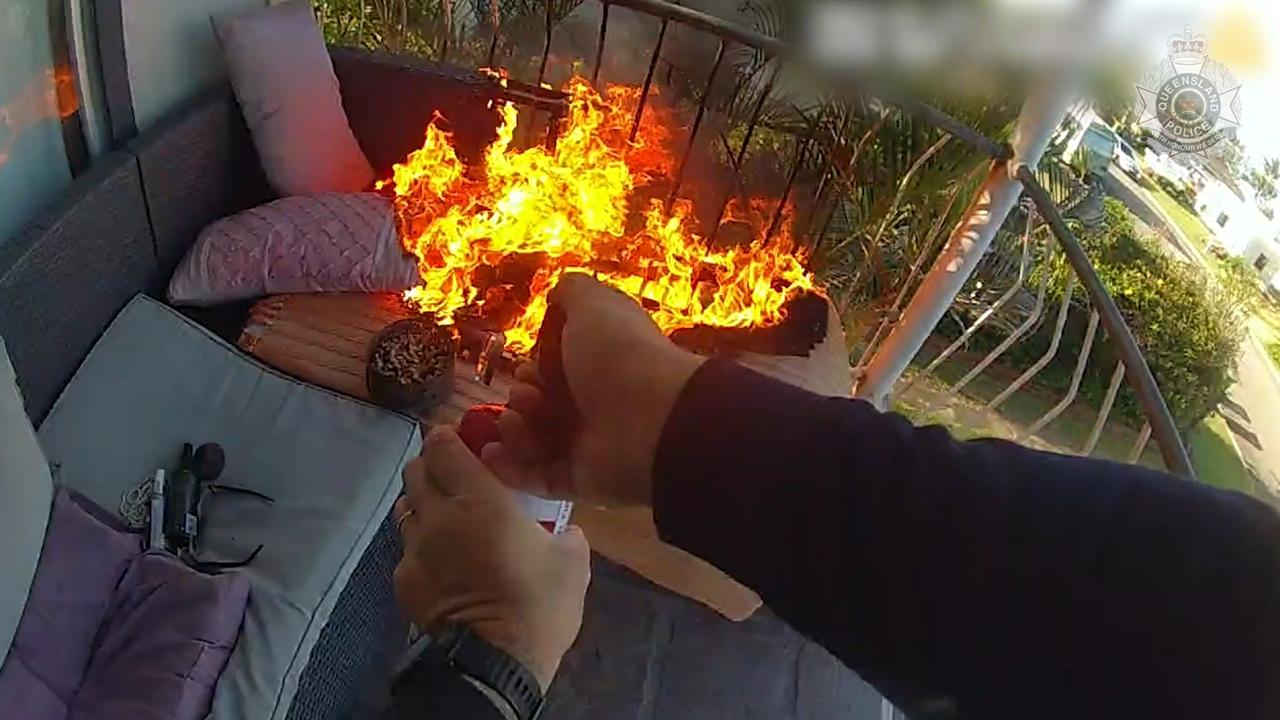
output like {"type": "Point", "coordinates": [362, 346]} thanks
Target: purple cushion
{"type": "Point", "coordinates": [331, 242]}
{"type": "Point", "coordinates": [81, 563]}
{"type": "Point", "coordinates": [164, 643]}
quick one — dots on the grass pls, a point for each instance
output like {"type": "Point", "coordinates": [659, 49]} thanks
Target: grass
{"type": "Point", "coordinates": [928, 403]}
{"type": "Point", "coordinates": [1265, 325]}
{"type": "Point", "coordinates": [1215, 459]}
{"type": "Point", "coordinates": [1213, 454]}
{"type": "Point", "coordinates": [1188, 222]}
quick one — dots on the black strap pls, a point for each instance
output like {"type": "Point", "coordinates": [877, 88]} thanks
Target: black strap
{"type": "Point", "coordinates": [456, 646]}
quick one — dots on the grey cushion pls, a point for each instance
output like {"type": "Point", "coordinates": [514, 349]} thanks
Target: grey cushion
{"type": "Point", "coordinates": [154, 381]}
{"type": "Point", "coordinates": [26, 493]}
{"type": "Point", "coordinates": [73, 268]}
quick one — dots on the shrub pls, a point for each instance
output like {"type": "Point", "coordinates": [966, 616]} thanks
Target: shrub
{"type": "Point", "coordinates": [1180, 192]}
{"type": "Point", "coordinates": [1188, 326]}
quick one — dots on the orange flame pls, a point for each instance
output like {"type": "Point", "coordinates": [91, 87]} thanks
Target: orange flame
{"type": "Point", "coordinates": [571, 205]}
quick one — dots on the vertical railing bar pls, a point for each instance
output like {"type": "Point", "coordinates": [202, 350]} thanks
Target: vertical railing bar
{"type": "Point", "coordinates": [986, 314]}
{"type": "Point", "coordinates": [546, 45]}
{"type": "Point", "coordinates": [553, 130]}
{"type": "Point", "coordinates": [822, 234]}
{"type": "Point", "coordinates": [1105, 411]}
{"type": "Point", "coordinates": [495, 17]}
{"type": "Point", "coordinates": [1018, 332]}
{"type": "Point", "coordinates": [1082, 362]}
{"type": "Point", "coordinates": [968, 242]}
{"type": "Point", "coordinates": [875, 242]}
{"type": "Point", "coordinates": [1136, 368]}
{"type": "Point", "coordinates": [1140, 443]}
{"type": "Point", "coordinates": [728, 151]}
{"type": "Point", "coordinates": [648, 81]}
{"type": "Point", "coordinates": [604, 28]}
{"type": "Point", "coordinates": [827, 170]}
{"type": "Point", "coordinates": [918, 265]}
{"type": "Point", "coordinates": [693, 130]}
{"type": "Point", "coordinates": [839, 177]}
{"type": "Point", "coordinates": [1038, 365]}
{"type": "Point", "coordinates": [735, 181]}
{"type": "Point", "coordinates": [802, 150]}
{"type": "Point", "coordinates": [448, 30]}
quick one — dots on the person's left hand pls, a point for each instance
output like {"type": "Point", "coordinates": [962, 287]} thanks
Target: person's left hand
{"type": "Point", "coordinates": [472, 556]}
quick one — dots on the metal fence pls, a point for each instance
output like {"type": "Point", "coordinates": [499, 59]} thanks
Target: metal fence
{"type": "Point", "coordinates": [933, 260]}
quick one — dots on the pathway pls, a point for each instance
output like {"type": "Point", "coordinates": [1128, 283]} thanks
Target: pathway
{"type": "Point", "coordinates": [1252, 410]}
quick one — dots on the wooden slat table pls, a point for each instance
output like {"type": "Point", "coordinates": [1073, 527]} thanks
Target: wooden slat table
{"type": "Point", "coordinates": [324, 339]}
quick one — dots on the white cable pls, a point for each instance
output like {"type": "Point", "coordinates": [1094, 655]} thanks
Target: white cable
{"type": "Point", "coordinates": [135, 505]}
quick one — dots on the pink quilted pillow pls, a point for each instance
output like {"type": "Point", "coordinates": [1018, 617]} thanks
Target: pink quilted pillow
{"type": "Point", "coordinates": [331, 242]}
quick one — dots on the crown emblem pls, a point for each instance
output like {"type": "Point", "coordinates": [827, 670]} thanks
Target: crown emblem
{"type": "Point", "coordinates": [1188, 47]}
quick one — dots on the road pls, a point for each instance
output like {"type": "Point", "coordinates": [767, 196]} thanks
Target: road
{"type": "Point", "coordinates": [1253, 414]}
{"type": "Point", "coordinates": [1252, 410]}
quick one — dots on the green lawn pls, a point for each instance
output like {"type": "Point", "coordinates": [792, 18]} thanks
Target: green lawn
{"type": "Point", "coordinates": [1187, 221]}
{"type": "Point", "coordinates": [1215, 458]}
{"type": "Point", "coordinates": [1265, 324]}
{"type": "Point", "coordinates": [927, 403]}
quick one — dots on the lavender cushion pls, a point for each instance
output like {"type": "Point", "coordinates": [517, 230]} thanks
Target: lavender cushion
{"type": "Point", "coordinates": [80, 566]}
{"type": "Point", "coordinates": [331, 242]}
{"type": "Point", "coordinates": [283, 78]}
{"type": "Point", "coordinates": [166, 639]}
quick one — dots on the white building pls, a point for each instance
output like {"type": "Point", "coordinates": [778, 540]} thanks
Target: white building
{"type": "Point", "coordinates": [1231, 212]}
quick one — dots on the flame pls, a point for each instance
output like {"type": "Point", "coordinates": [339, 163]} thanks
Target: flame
{"type": "Point", "coordinates": [571, 204]}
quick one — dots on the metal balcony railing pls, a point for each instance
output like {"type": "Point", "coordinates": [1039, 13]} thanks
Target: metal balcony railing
{"type": "Point", "coordinates": [829, 145]}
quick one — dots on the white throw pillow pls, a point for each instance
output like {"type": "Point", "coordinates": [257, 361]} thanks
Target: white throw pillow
{"type": "Point", "coordinates": [26, 495]}
{"type": "Point", "coordinates": [331, 242]}
{"type": "Point", "coordinates": [283, 78]}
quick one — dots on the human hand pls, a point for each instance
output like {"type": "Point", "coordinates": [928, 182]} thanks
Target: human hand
{"type": "Point", "coordinates": [471, 556]}
{"type": "Point", "coordinates": [624, 376]}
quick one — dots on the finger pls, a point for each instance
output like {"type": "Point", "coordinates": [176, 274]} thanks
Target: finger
{"type": "Point", "coordinates": [526, 400]}
{"type": "Point", "coordinates": [575, 290]}
{"type": "Point", "coordinates": [453, 469]}
{"type": "Point", "coordinates": [404, 517]}
{"type": "Point", "coordinates": [514, 471]}
{"type": "Point", "coordinates": [572, 545]}
{"type": "Point", "coordinates": [573, 541]}
{"type": "Point", "coordinates": [417, 487]}
{"type": "Point", "coordinates": [516, 434]}
{"type": "Point", "coordinates": [545, 479]}
{"type": "Point", "coordinates": [527, 372]}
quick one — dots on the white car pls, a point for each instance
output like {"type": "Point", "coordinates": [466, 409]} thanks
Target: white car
{"type": "Point", "coordinates": [1127, 160]}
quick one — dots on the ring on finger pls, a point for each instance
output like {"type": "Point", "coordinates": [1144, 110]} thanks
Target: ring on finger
{"type": "Point", "coordinates": [401, 520]}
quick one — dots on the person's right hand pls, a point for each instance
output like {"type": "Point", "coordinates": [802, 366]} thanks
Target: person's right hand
{"type": "Point", "coordinates": [624, 376]}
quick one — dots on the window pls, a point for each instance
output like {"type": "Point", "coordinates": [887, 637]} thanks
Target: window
{"type": "Point", "coordinates": [1260, 262]}
{"type": "Point", "coordinates": [1222, 219]}
{"type": "Point", "coordinates": [33, 163]}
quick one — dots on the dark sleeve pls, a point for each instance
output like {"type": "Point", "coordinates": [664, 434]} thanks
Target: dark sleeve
{"type": "Point", "coordinates": [1007, 581]}
{"type": "Point", "coordinates": [439, 693]}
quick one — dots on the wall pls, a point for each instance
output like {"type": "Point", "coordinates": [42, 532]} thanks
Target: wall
{"type": "Point", "coordinates": [172, 51]}
{"type": "Point", "coordinates": [33, 162]}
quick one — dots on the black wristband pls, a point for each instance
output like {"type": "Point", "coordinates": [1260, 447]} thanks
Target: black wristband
{"type": "Point", "coordinates": [456, 647]}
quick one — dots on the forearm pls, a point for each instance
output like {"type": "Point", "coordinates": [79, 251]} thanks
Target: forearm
{"type": "Point", "coordinates": [983, 571]}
